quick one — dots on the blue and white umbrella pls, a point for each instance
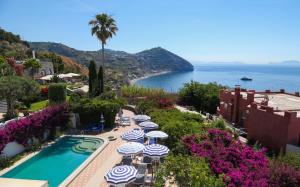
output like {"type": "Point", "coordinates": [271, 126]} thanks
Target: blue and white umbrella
{"type": "Point", "coordinates": [131, 148]}
{"type": "Point", "coordinates": [156, 150]}
{"type": "Point", "coordinates": [148, 125]}
{"type": "Point", "coordinates": [157, 134]}
{"type": "Point", "coordinates": [141, 118]}
{"type": "Point", "coordinates": [121, 175]}
{"type": "Point", "coordinates": [133, 135]}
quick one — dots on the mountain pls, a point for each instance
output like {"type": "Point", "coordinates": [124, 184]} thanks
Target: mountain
{"type": "Point", "coordinates": [134, 65]}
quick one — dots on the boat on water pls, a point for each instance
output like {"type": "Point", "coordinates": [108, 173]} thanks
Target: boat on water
{"type": "Point", "coordinates": [246, 79]}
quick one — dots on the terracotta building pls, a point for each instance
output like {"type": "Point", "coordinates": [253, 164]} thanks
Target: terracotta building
{"type": "Point", "coordinates": [272, 118]}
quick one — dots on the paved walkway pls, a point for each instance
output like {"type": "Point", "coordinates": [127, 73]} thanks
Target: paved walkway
{"type": "Point", "coordinates": [93, 174]}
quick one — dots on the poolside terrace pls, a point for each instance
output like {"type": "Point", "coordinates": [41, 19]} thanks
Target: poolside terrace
{"type": "Point", "coordinates": [93, 174]}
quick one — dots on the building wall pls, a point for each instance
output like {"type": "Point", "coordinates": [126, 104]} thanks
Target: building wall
{"type": "Point", "coordinates": [46, 69]}
{"type": "Point", "coordinates": [262, 124]}
{"type": "Point", "coordinates": [269, 129]}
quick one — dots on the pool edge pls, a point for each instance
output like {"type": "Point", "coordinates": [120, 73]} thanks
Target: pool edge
{"type": "Point", "coordinates": [76, 172]}
{"type": "Point", "coordinates": [29, 156]}
{"type": "Point", "coordinates": [83, 165]}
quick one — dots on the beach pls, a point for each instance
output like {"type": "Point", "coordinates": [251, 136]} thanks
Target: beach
{"type": "Point", "coordinates": [133, 81]}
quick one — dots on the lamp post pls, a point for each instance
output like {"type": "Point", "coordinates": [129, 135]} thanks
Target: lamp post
{"type": "Point", "coordinates": [102, 121]}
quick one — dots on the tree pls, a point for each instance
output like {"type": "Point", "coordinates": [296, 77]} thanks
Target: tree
{"type": "Point", "coordinates": [92, 78]}
{"type": "Point", "coordinates": [5, 69]}
{"type": "Point", "coordinates": [13, 88]}
{"type": "Point", "coordinates": [100, 80]}
{"type": "Point", "coordinates": [32, 65]}
{"type": "Point", "coordinates": [204, 97]}
{"type": "Point", "coordinates": [104, 27]}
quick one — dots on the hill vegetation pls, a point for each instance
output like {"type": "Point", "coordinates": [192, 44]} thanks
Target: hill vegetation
{"type": "Point", "coordinates": [131, 65]}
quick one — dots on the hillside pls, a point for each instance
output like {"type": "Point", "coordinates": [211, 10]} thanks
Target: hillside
{"type": "Point", "coordinates": [72, 66]}
{"type": "Point", "coordinates": [134, 65]}
{"type": "Point", "coordinates": [11, 45]}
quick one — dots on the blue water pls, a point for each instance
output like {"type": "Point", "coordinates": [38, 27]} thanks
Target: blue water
{"type": "Point", "coordinates": [264, 77]}
{"type": "Point", "coordinates": [54, 163]}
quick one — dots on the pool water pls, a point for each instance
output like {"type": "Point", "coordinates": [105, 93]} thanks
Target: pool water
{"type": "Point", "coordinates": [56, 162]}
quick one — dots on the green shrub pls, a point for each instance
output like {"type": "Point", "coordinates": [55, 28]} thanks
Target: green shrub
{"type": "Point", "coordinates": [57, 93]}
{"type": "Point", "coordinates": [187, 171]}
{"type": "Point", "coordinates": [292, 159]}
{"type": "Point", "coordinates": [204, 97]}
{"type": "Point", "coordinates": [4, 162]}
{"type": "Point", "coordinates": [177, 124]}
{"type": "Point", "coordinates": [133, 93]}
{"type": "Point", "coordinates": [219, 123]}
{"type": "Point", "coordinates": [144, 106]}
{"type": "Point", "coordinates": [90, 110]}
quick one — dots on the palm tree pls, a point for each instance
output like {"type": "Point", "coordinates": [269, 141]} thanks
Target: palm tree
{"type": "Point", "coordinates": [104, 27]}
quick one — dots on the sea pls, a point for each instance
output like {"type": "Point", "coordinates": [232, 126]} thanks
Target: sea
{"type": "Point", "coordinates": [267, 76]}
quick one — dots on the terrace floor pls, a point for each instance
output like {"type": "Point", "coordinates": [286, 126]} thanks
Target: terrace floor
{"type": "Point", "coordinates": [93, 174]}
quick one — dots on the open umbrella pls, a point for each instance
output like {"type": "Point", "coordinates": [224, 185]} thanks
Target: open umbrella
{"type": "Point", "coordinates": [148, 125]}
{"type": "Point", "coordinates": [156, 150]}
{"type": "Point", "coordinates": [121, 175]}
{"type": "Point", "coordinates": [130, 148]}
{"type": "Point", "coordinates": [141, 118]}
{"type": "Point", "coordinates": [133, 135]}
{"type": "Point", "coordinates": [157, 134]}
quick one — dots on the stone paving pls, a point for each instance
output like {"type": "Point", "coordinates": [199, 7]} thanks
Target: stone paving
{"type": "Point", "coordinates": [93, 174]}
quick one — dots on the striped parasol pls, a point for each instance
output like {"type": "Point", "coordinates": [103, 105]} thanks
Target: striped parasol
{"type": "Point", "coordinates": [131, 148]}
{"type": "Point", "coordinates": [133, 135]}
{"type": "Point", "coordinates": [121, 175]}
{"type": "Point", "coordinates": [141, 118]}
{"type": "Point", "coordinates": [157, 134]}
{"type": "Point", "coordinates": [156, 150]}
{"type": "Point", "coordinates": [148, 125]}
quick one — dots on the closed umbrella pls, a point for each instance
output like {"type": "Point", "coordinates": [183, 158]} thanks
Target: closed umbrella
{"type": "Point", "coordinates": [133, 135]}
{"type": "Point", "coordinates": [141, 118]}
{"type": "Point", "coordinates": [157, 134]}
{"type": "Point", "coordinates": [121, 175]}
{"type": "Point", "coordinates": [156, 150]}
{"type": "Point", "coordinates": [131, 148]}
{"type": "Point", "coordinates": [148, 125]}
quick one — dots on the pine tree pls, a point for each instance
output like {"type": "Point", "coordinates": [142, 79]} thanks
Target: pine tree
{"type": "Point", "coordinates": [92, 78]}
{"type": "Point", "coordinates": [100, 80]}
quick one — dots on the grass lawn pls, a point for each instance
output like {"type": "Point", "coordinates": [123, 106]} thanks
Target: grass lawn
{"type": "Point", "coordinates": [40, 105]}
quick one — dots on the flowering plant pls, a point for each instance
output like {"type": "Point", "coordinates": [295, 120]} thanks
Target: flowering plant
{"type": "Point", "coordinates": [44, 91]}
{"type": "Point", "coordinates": [33, 126]}
{"type": "Point", "coordinates": [238, 163]}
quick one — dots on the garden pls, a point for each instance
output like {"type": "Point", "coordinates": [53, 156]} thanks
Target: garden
{"type": "Point", "coordinates": [206, 153]}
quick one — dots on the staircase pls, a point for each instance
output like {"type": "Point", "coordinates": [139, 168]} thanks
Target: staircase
{"type": "Point", "coordinates": [3, 106]}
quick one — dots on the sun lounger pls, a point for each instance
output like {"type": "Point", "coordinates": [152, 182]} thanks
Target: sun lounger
{"type": "Point", "coordinates": [125, 121]}
{"type": "Point", "coordinates": [96, 127]}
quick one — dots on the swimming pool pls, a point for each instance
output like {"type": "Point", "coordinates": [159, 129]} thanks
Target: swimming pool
{"type": "Point", "coordinates": [56, 162]}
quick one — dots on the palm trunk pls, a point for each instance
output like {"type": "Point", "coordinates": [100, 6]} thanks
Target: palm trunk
{"type": "Point", "coordinates": [102, 81]}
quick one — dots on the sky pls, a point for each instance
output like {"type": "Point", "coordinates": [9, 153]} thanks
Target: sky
{"type": "Point", "coordinates": [249, 31]}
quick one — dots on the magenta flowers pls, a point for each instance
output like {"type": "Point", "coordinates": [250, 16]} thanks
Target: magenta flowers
{"type": "Point", "coordinates": [23, 129]}
{"type": "Point", "coordinates": [238, 163]}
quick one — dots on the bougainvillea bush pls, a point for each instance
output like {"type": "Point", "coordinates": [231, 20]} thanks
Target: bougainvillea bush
{"type": "Point", "coordinates": [239, 164]}
{"type": "Point", "coordinates": [34, 126]}
{"type": "Point", "coordinates": [282, 174]}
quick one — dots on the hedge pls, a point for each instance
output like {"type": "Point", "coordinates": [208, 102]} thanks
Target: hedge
{"type": "Point", "coordinates": [90, 110]}
{"type": "Point", "coordinates": [57, 93]}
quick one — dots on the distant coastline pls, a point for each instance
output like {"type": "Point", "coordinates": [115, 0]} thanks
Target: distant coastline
{"type": "Point", "coordinates": [133, 81]}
